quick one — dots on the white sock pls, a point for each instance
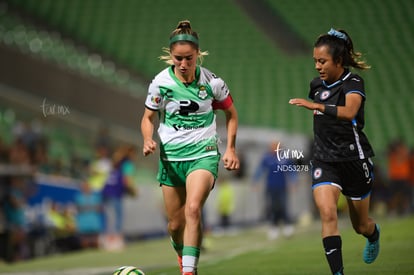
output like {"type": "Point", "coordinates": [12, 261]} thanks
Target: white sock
{"type": "Point", "coordinates": [189, 263]}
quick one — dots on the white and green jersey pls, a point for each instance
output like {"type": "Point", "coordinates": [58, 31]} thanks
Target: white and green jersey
{"type": "Point", "coordinates": [187, 127]}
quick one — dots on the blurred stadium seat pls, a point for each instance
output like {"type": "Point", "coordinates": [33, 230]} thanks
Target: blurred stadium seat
{"type": "Point", "coordinates": [131, 34]}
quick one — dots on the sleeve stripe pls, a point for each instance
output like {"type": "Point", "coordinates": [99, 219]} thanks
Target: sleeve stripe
{"type": "Point", "coordinates": [152, 109]}
{"type": "Point", "coordinates": [356, 92]}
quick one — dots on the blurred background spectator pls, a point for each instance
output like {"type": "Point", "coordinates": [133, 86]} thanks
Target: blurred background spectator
{"type": "Point", "coordinates": [89, 216]}
{"type": "Point", "coordinates": [278, 174]}
{"type": "Point", "coordinates": [62, 225]}
{"type": "Point", "coordinates": [225, 201]}
{"type": "Point", "coordinates": [16, 224]}
{"type": "Point", "coordinates": [119, 183]}
{"type": "Point", "coordinates": [399, 174]}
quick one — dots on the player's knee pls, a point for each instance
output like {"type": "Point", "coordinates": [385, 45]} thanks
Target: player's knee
{"type": "Point", "coordinates": [328, 214]}
{"type": "Point", "coordinates": [176, 226]}
{"type": "Point", "coordinates": [193, 211]}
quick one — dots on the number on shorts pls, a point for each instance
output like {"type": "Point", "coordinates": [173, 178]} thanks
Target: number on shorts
{"type": "Point", "coordinates": [164, 174]}
{"type": "Point", "coordinates": [366, 169]}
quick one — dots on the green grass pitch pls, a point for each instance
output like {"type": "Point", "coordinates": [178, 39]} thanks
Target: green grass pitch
{"type": "Point", "coordinates": [243, 252]}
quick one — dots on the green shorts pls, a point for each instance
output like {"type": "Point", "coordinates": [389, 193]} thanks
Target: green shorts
{"type": "Point", "coordinates": [174, 173]}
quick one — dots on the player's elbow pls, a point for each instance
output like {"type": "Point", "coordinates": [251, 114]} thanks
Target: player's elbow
{"type": "Point", "coordinates": [348, 115]}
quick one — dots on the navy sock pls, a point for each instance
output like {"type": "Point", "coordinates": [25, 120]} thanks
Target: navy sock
{"type": "Point", "coordinates": [333, 253]}
{"type": "Point", "coordinates": [374, 236]}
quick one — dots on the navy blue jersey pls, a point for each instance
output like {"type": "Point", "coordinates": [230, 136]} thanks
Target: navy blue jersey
{"type": "Point", "coordinates": [336, 139]}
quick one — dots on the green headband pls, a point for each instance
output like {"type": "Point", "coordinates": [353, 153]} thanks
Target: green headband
{"type": "Point", "coordinates": [183, 37]}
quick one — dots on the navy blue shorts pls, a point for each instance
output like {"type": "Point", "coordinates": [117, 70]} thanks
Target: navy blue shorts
{"type": "Point", "coordinates": [354, 178]}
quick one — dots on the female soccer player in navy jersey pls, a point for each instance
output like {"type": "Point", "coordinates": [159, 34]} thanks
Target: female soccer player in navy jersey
{"type": "Point", "coordinates": [185, 96]}
{"type": "Point", "coordinates": [341, 151]}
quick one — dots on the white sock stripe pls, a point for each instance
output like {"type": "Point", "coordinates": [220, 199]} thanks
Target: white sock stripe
{"type": "Point", "coordinates": [189, 263]}
{"type": "Point", "coordinates": [190, 260]}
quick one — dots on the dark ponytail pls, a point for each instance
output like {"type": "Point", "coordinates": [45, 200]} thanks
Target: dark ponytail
{"type": "Point", "coordinates": [342, 49]}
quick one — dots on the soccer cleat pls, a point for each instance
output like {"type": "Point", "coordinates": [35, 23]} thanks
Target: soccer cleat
{"type": "Point", "coordinates": [180, 262]}
{"type": "Point", "coordinates": [191, 273]}
{"type": "Point", "coordinates": [371, 249]}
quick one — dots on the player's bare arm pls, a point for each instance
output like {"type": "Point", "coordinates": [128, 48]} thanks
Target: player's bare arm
{"type": "Point", "coordinates": [347, 112]}
{"type": "Point", "coordinates": [147, 130]}
{"type": "Point", "coordinates": [230, 159]}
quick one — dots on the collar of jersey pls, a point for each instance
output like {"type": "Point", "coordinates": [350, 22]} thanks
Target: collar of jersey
{"type": "Point", "coordinates": [344, 76]}
{"type": "Point", "coordinates": [197, 77]}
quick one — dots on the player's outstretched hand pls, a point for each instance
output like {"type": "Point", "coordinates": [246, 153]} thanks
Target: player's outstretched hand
{"type": "Point", "coordinates": [302, 103]}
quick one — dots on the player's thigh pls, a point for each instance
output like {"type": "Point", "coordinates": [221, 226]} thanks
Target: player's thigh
{"type": "Point", "coordinates": [326, 199]}
{"type": "Point", "coordinates": [326, 186]}
{"type": "Point", "coordinates": [201, 175]}
{"type": "Point", "coordinates": [359, 213]}
{"type": "Point", "coordinates": [199, 184]}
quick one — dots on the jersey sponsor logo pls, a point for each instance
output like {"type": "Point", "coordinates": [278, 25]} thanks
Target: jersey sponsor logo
{"type": "Point", "coordinates": [184, 127]}
{"type": "Point", "coordinates": [317, 173]}
{"type": "Point", "coordinates": [325, 94]}
{"type": "Point", "coordinates": [187, 107]}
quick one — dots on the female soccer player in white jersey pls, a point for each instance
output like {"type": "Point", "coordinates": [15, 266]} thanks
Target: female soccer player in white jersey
{"type": "Point", "coordinates": [341, 153]}
{"type": "Point", "coordinates": [185, 96]}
